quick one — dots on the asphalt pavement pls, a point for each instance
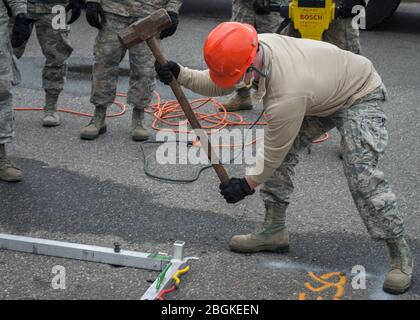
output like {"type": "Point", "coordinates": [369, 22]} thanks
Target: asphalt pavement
{"type": "Point", "coordinates": [95, 192]}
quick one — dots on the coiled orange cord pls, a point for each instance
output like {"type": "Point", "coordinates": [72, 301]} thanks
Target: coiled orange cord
{"type": "Point", "coordinates": [169, 114]}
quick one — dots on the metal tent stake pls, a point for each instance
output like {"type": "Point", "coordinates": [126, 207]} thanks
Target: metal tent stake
{"type": "Point", "coordinates": [113, 256]}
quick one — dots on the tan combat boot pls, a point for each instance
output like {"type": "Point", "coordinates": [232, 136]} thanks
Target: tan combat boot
{"type": "Point", "coordinates": [241, 101]}
{"type": "Point", "coordinates": [272, 235]}
{"type": "Point", "coordinates": [51, 117]}
{"type": "Point", "coordinates": [96, 125]}
{"type": "Point", "coordinates": [398, 279]}
{"type": "Point", "coordinates": [138, 131]}
{"type": "Point", "coordinates": [8, 171]}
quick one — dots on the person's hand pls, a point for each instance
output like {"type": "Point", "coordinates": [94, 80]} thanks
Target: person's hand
{"type": "Point", "coordinates": [75, 6]}
{"type": "Point", "coordinates": [21, 29]}
{"type": "Point", "coordinates": [95, 15]}
{"type": "Point", "coordinates": [235, 190]}
{"type": "Point", "coordinates": [346, 8]}
{"type": "Point", "coordinates": [169, 31]}
{"type": "Point", "coordinates": [262, 6]}
{"type": "Point", "coordinates": [167, 71]}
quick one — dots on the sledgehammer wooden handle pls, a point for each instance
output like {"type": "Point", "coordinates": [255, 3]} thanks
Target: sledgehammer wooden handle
{"type": "Point", "coordinates": [186, 107]}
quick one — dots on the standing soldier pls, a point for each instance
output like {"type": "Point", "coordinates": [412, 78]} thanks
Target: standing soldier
{"type": "Point", "coordinates": [56, 48]}
{"type": "Point", "coordinates": [243, 11]}
{"type": "Point", "coordinates": [341, 32]}
{"type": "Point", "coordinates": [111, 17]}
{"type": "Point", "coordinates": [21, 31]}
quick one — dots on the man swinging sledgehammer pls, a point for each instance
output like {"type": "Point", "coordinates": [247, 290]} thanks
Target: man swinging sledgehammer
{"type": "Point", "coordinates": [307, 88]}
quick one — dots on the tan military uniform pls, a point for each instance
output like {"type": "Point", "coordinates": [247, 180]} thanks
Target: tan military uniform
{"type": "Point", "coordinates": [311, 88]}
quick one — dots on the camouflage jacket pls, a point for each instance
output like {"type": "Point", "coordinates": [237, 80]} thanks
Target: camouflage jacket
{"type": "Point", "coordinates": [44, 6]}
{"type": "Point", "coordinates": [137, 8]}
{"type": "Point", "coordinates": [48, 1]}
{"type": "Point", "coordinates": [16, 6]}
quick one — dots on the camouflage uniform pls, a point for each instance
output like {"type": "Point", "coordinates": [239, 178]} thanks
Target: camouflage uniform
{"type": "Point", "coordinates": [109, 52]}
{"type": "Point", "coordinates": [340, 33]}
{"type": "Point", "coordinates": [55, 45]}
{"type": "Point", "coordinates": [364, 139]}
{"type": "Point", "coordinates": [242, 11]}
{"type": "Point", "coordinates": [6, 70]}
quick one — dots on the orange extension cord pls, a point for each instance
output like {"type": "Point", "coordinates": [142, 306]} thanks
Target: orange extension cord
{"type": "Point", "coordinates": [169, 114]}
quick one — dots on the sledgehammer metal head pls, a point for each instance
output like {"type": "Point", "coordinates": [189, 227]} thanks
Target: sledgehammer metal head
{"type": "Point", "coordinates": [145, 28]}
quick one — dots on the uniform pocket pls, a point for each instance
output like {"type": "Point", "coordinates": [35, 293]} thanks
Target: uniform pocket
{"type": "Point", "coordinates": [374, 133]}
{"type": "Point", "coordinates": [5, 63]}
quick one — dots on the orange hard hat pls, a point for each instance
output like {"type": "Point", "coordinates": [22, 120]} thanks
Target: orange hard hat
{"type": "Point", "coordinates": [229, 51]}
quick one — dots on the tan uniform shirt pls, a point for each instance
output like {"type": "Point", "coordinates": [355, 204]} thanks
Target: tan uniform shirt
{"type": "Point", "coordinates": [304, 78]}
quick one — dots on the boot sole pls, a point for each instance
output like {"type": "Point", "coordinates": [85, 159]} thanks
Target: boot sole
{"type": "Point", "coordinates": [262, 249]}
{"type": "Point", "coordinates": [139, 139]}
{"type": "Point", "coordinates": [396, 290]}
{"type": "Point", "coordinates": [50, 125]}
{"type": "Point", "coordinates": [93, 137]}
{"type": "Point", "coordinates": [11, 180]}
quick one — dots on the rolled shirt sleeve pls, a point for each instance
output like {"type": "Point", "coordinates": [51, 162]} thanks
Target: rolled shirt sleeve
{"type": "Point", "coordinates": [199, 81]}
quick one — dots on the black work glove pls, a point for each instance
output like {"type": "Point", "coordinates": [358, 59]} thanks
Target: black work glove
{"type": "Point", "coordinates": [172, 29]}
{"type": "Point", "coordinates": [75, 6]}
{"type": "Point", "coordinates": [21, 29]}
{"type": "Point", "coordinates": [167, 71]}
{"type": "Point", "coordinates": [262, 6]}
{"type": "Point", "coordinates": [235, 190]}
{"type": "Point", "coordinates": [95, 15]}
{"type": "Point", "coordinates": [345, 10]}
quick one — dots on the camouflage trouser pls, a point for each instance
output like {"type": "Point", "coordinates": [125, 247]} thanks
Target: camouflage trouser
{"type": "Point", "coordinates": [109, 53]}
{"type": "Point", "coordinates": [242, 11]}
{"type": "Point", "coordinates": [55, 46]}
{"type": "Point", "coordinates": [364, 139]}
{"type": "Point", "coordinates": [340, 33]}
{"type": "Point", "coordinates": [6, 76]}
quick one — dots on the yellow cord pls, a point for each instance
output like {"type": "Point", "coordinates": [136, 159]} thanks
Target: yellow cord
{"type": "Point", "coordinates": [178, 274]}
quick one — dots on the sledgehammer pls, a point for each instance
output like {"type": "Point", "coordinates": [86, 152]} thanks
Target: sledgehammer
{"type": "Point", "coordinates": [146, 30]}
